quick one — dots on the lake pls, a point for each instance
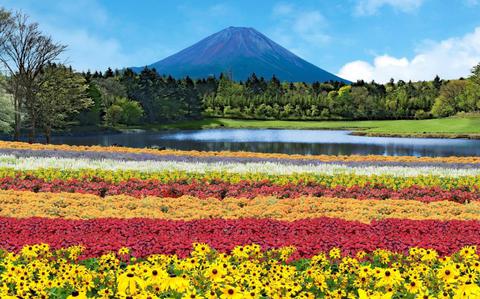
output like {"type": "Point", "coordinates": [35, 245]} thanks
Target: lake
{"type": "Point", "coordinates": [307, 142]}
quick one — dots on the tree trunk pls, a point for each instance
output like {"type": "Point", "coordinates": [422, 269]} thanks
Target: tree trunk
{"type": "Point", "coordinates": [18, 126]}
{"type": "Point", "coordinates": [30, 106]}
{"type": "Point", "coordinates": [32, 133]}
{"type": "Point", "coordinates": [48, 135]}
{"type": "Point", "coordinates": [17, 118]}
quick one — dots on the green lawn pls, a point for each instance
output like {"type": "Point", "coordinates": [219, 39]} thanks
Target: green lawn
{"type": "Point", "coordinates": [448, 127]}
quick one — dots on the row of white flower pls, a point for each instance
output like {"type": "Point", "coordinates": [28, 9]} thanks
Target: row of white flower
{"type": "Point", "coordinates": [202, 167]}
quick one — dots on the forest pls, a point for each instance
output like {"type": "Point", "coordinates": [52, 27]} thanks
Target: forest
{"type": "Point", "coordinates": [123, 97]}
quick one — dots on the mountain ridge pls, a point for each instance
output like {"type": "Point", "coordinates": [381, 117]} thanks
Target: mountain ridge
{"type": "Point", "coordinates": [240, 51]}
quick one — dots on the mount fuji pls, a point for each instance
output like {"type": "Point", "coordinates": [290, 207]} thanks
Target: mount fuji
{"type": "Point", "coordinates": [240, 51]}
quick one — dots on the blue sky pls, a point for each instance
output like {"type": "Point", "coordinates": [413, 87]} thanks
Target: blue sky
{"type": "Point", "coordinates": [357, 39]}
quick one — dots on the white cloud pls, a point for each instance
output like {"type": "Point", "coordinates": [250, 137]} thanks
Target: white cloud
{"type": "Point", "coordinates": [86, 51]}
{"type": "Point", "coordinates": [371, 7]}
{"type": "Point", "coordinates": [299, 29]}
{"type": "Point", "coordinates": [450, 58]}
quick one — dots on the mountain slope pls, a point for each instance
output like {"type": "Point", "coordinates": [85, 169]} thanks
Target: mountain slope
{"type": "Point", "coordinates": [240, 51]}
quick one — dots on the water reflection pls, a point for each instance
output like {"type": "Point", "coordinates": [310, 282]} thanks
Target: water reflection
{"type": "Point", "coordinates": [307, 142]}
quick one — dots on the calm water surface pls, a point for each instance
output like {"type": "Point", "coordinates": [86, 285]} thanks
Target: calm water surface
{"type": "Point", "coordinates": [284, 141]}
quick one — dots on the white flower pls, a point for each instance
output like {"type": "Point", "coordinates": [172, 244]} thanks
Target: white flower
{"type": "Point", "coordinates": [31, 163]}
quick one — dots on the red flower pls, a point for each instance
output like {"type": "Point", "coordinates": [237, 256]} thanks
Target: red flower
{"type": "Point", "coordinates": [245, 189]}
{"type": "Point", "coordinates": [147, 236]}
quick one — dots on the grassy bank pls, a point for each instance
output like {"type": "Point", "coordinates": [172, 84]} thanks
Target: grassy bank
{"type": "Point", "coordinates": [446, 127]}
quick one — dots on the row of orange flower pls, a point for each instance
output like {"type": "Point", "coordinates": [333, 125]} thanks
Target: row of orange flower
{"type": "Point", "coordinates": [21, 204]}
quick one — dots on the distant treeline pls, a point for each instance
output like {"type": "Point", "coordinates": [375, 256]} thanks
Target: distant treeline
{"type": "Point", "coordinates": [149, 98]}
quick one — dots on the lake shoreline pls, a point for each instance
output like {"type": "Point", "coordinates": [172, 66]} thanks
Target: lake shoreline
{"type": "Point", "coordinates": [354, 132]}
{"type": "Point", "coordinates": [446, 128]}
{"type": "Point", "coordinates": [417, 135]}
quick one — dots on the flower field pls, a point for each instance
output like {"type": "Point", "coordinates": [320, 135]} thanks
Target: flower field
{"type": "Point", "coordinates": [114, 222]}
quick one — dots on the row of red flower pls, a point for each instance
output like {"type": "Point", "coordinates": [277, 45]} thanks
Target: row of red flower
{"type": "Point", "coordinates": [148, 236]}
{"type": "Point", "coordinates": [243, 189]}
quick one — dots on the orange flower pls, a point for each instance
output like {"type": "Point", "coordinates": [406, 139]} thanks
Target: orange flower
{"type": "Point", "coordinates": [21, 204]}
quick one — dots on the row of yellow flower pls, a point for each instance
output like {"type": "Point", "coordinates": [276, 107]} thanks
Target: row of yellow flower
{"type": "Point", "coordinates": [349, 180]}
{"type": "Point", "coordinates": [248, 272]}
{"type": "Point", "coordinates": [84, 206]}
{"type": "Point", "coordinates": [325, 158]}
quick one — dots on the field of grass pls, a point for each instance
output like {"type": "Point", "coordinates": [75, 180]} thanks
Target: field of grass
{"type": "Point", "coordinates": [447, 127]}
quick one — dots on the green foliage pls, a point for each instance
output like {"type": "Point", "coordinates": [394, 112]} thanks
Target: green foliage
{"type": "Point", "coordinates": [459, 96]}
{"type": "Point", "coordinates": [472, 92]}
{"type": "Point", "coordinates": [271, 99]}
{"type": "Point", "coordinates": [451, 99]}
{"type": "Point", "coordinates": [62, 94]}
{"type": "Point", "coordinates": [123, 111]}
{"type": "Point", "coordinates": [110, 88]}
{"type": "Point", "coordinates": [7, 111]}
{"type": "Point", "coordinates": [113, 115]}
{"type": "Point", "coordinates": [164, 99]}
{"type": "Point", "coordinates": [476, 74]}
{"type": "Point", "coordinates": [92, 116]}
{"type": "Point", "coordinates": [132, 112]}
{"type": "Point", "coordinates": [420, 114]}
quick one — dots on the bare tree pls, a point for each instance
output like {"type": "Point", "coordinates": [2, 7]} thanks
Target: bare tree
{"type": "Point", "coordinates": [24, 52]}
{"type": "Point", "coordinates": [5, 22]}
